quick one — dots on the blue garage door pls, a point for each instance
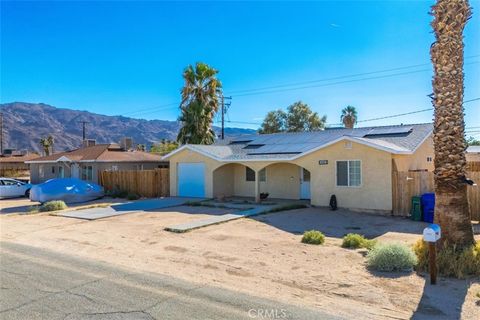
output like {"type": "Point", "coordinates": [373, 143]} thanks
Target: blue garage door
{"type": "Point", "coordinates": [191, 179]}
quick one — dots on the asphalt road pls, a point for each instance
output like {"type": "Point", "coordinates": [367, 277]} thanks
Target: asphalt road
{"type": "Point", "coordinates": [40, 284]}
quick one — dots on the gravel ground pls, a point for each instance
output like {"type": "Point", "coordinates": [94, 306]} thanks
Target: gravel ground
{"type": "Point", "coordinates": [261, 256]}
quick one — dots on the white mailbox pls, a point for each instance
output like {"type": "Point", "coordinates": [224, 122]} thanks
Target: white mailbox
{"type": "Point", "coordinates": [432, 233]}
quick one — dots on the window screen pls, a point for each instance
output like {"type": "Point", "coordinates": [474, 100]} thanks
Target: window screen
{"type": "Point", "coordinates": [349, 173]}
{"type": "Point", "coordinates": [342, 173]}
{"type": "Point", "coordinates": [250, 174]}
{"type": "Point", "coordinates": [262, 175]}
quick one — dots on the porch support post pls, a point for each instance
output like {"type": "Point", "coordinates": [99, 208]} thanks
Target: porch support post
{"type": "Point", "coordinates": [257, 187]}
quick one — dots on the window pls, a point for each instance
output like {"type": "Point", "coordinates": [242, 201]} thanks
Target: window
{"type": "Point", "coordinates": [349, 173]}
{"type": "Point", "coordinates": [139, 167]}
{"type": "Point", "coordinates": [41, 171]}
{"type": "Point", "coordinates": [61, 172]}
{"type": "Point", "coordinates": [262, 175]}
{"type": "Point", "coordinates": [249, 174]}
{"type": "Point", "coordinates": [87, 173]}
{"type": "Point", "coordinates": [53, 170]}
{"type": "Point", "coordinates": [10, 182]}
{"type": "Point", "coordinates": [114, 168]}
{"type": "Point", "coordinates": [429, 159]}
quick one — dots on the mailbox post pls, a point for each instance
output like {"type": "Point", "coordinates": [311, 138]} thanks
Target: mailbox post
{"type": "Point", "coordinates": [432, 234]}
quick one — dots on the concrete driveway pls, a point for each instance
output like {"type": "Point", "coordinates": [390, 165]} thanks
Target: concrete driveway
{"type": "Point", "coordinates": [129, 207]}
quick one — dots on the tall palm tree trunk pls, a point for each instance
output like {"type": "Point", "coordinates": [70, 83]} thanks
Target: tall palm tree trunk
{"type": "Point", "coordinates": [451, 207]}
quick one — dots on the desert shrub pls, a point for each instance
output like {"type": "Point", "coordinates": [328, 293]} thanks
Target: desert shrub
{"type": "Point", "coordinates": [33, 209]}
{"type": "Point", "coordinates": [132, 196]}
{"type": "Point", "coordinates": [451, 261]}
{"type": "Point", "coordinates": [313, 237]}
{"type": "Point", "coordinates": [355, 241]}
{"type": "Point", "coordinates": [391, 257]}
{"type": "Point", "coordinates": [53, 206]}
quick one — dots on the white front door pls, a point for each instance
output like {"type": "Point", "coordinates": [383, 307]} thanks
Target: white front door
{"type": "Point", "coordinates": [75, 168]}
{"type": "Point", "coordinates": [191, 179]}
{"type": "Point", "coordinates": [304, 184]}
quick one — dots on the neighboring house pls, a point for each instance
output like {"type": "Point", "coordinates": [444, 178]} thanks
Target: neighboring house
{"type": "Point", "coordinates": [86, 163]}
{"type": "Point", "coordinates": [13, 165]}
{"type": "Point", "coordinates": [473, 153]}
{"type": "Point", "coordinates": [354, 164]}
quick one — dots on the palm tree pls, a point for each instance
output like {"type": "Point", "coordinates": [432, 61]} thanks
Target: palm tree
{"type": "Point", "coordinates": [451, 207]}
{"type": "Point", "coordinates": [199, 104]}
{"type": "Point", "coordinates": [349, 117]}
{"type": "Point", "coordinates": [46, 144]}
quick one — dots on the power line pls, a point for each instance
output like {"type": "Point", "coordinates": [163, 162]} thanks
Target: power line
{"type": "Point", "coordinates": [338, 82]}
{"type": "Point", "coordinates": [155, 109]}
{"type": "Point", "coordinates": [343, 77]}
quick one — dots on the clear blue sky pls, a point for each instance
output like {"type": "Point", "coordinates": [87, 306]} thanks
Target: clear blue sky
{"type": "Point", "coordinates": [119, 57]}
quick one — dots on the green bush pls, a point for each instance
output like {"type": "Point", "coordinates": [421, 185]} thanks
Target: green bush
{"type": "Point", "coordinates": [391, 257]}
{"type": "Point", "coordinates": [132, 196]}
{"type": "Point", "coordinates": [355, 241]}
{"type": "Point", "coordinates": [313, 237]}
{"type": "Point", "coordinates": [451, 261]}
{"type": "Point", "coordinates": [53, 206]}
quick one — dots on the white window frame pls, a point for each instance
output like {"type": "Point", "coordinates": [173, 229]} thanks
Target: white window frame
{"type": "Point", "coordinates": [348, 173]}
{"type": "Point", "coordinates": [41, 171]}
{"type": "Point", "coordinates": [85, 170]}
{"type": "Point", "coordinates": [265, 169]}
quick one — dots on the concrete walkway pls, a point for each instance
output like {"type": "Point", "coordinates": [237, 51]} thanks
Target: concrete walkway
{"type": "Point", "coordinates": [252, 210]}
{"type": "Point", "coordinates": [124, 208]}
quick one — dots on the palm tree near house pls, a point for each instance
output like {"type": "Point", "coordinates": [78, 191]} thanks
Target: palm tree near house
{"type": "Point", "coordinates": [451, 206]}
{"type": "Point", "coordinates": [199, 104]}
{"type": "Point", "coordinates": [349, 116]}
{"type": "Point", "coordinates": [47, 144]}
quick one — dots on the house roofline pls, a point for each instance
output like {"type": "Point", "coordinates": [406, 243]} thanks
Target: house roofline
{"type": "Point", "coordinates": [347, 138]}
{"type": "Point", "coordinates": [90, 161]}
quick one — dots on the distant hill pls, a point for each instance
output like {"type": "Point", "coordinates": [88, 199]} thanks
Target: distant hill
{"type": "Point", "coordinates": [25, 123]}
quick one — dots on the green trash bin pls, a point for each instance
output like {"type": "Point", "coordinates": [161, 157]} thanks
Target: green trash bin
{"type": "Point", "coordinates": [416, 211]}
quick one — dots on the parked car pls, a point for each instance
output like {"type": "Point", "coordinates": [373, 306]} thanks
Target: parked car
{"type": "Point", "coordinates": [11, 188]}
{"type": "Point", "coordinates": [70, 190]}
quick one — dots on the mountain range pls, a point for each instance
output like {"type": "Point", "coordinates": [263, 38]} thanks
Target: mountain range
{"type": "Point", "coordinates": [25, 123]}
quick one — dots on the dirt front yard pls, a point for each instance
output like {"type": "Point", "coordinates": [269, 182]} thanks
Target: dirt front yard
{"type": "Point", "coordinates": [261, 256]}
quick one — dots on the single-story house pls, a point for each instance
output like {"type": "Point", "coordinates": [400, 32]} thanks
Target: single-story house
{"type": "Point", "coordinates": [473, 153]}
{"type": "Point", "coordinates": [86, 162]}
{"type": "Point", "coordinates": [13, 165]}
{"type": "Point", "coordinates": [354, 164]}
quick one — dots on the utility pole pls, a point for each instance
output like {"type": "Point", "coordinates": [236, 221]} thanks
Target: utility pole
{"type": "Point", "coordinates": [1, 133]}
{"type": "Point", "coordinates": [224, 110]}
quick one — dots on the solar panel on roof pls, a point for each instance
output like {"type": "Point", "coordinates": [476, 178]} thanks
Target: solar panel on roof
{"type": "Point", "coordinates": [388, 131]}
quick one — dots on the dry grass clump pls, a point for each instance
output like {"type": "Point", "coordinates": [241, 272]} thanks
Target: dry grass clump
{"type": "Point", "coordinates": [451, 261]}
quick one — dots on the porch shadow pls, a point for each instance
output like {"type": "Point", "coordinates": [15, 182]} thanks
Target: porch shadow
{"type": "Point", "coordinates": [340, 222]}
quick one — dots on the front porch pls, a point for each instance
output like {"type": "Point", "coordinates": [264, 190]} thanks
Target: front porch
{"type": "Point", "coordinates": [281, 181]}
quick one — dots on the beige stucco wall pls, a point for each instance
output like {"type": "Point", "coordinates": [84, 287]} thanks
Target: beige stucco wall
{"type": "Point", "coordinates": [376, 167]}
{"type": "Point", "coordinates": [374, 193]}
{"type": "Point", "coordinates": [417, 161]}
{"type": "Point", "coordinates": [223, 178]}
